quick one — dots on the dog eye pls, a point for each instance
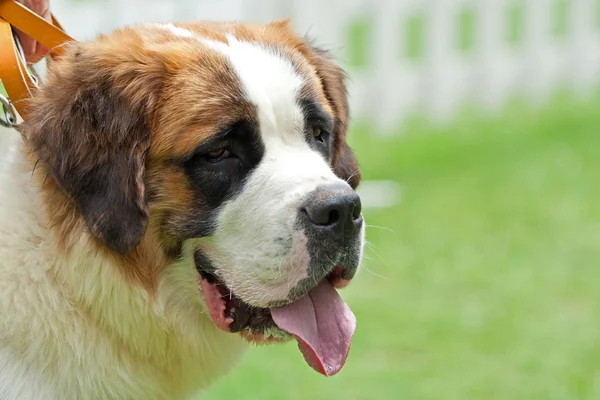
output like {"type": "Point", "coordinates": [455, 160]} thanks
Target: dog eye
{"type": "Point", "coordinates": [217, 155]}
{"type": "Point", "coordinates": [318, 134]}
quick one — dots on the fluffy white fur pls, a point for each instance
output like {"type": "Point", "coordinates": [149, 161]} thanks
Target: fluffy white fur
{"type": "Point", "coordinates": [72, 328]}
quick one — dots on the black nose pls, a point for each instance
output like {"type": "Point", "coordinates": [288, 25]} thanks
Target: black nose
{"type": "Point", "coordinates": [334, 207]}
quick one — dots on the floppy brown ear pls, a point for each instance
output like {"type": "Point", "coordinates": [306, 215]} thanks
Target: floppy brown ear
{"type": "Point", "coordinates": [346, 167]}
{"type": "Point", "coordinates": [92, 137]}
{"type": "Point", "coordinates": [333, 79]}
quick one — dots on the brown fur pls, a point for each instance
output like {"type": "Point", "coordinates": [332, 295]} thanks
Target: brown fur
{"type": "Point", "coordinates": [117, 114]}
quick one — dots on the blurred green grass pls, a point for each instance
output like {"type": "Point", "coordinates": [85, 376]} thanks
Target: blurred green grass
{"type": "Point", "coordinates": [484, 283]}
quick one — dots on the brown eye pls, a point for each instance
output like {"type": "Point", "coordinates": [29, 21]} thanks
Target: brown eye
{"type": "Point", "coordinates": [217, 155]}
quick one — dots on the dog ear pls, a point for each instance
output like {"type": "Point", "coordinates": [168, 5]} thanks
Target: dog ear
{"type": "Point", "coordinates": [346, 166]}
{"type": "Point", "coordinates": [333, 79]}
{"type": "Point", "coordinates": [89, 127]}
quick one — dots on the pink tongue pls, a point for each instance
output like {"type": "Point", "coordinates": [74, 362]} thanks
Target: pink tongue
{"type": "Point", "coordinates": [323, 325]}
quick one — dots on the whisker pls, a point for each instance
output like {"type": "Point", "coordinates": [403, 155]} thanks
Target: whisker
{"type": "Point", "coordinates": [378, 276]}
{"type": "Point", "coordinates": [352, 175]}
{"type": "Point", "coordinates": [381, 227]}
{"type": "Point", "coordinates": [370, 247]}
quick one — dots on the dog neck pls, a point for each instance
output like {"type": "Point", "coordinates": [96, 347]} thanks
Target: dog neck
{"type": "Point", "coordinates": [71, 302]}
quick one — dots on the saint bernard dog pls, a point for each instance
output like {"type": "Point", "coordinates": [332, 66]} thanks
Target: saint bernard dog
{"type": "Point", "coordinates": [180, 192]}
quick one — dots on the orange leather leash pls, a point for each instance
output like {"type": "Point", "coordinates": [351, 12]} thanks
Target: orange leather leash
{"type": "Point", "coordinates": [14, 74]}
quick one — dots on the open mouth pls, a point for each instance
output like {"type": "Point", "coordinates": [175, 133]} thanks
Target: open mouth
{"type": "Point", "coordinates": [320, 320]}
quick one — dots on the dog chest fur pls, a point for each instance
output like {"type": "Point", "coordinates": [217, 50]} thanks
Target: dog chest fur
{"type": "Point", "coordinates": [53, 336]}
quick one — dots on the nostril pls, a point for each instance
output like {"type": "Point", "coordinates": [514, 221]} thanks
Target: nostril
{"type": "Point", "coordinates": [323, 216]}
{"type": "Point", "coordinates": [334, 216]}
{"type": "Point", "coordinates": [357, 210]}
{"type": "Point", "coordinates": [336, 208]}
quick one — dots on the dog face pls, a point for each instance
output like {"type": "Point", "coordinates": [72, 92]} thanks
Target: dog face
{"type": "Point", "coordinates": [224, 144]}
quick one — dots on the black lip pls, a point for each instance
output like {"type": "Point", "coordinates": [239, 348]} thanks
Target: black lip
{"type": "Point", "coordinates": [245, 316]}
{"type": "Point", "coordinates": [203, 264]}
{"type": "Point", "coordinates": [209, 277]}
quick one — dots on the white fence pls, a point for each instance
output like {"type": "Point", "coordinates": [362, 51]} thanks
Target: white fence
{"type": "Point", "coordinates": [405, 57]}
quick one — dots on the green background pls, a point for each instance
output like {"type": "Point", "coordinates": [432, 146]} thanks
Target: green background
{"type": "Point", "coordinates": [483, 282]}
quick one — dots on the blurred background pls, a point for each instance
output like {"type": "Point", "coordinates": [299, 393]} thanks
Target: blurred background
{"type": "Point", "coordinates": [477, 127]}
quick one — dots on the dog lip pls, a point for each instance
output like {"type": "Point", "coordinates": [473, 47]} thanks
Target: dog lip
{"type": "Point", "coordinates": [339, 278]}
{"type": "Point", "coordinates": [230, 313]}
{"type": "Point", "coordinates": [203, 264]}
{"type": "Point", "coordinates": [213, 296]}
{"type": "Point", "coordinates": [210, 278]}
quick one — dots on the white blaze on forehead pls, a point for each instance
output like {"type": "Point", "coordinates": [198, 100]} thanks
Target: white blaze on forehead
{"type": "Point", "coordinates": [254, 228]}
{"type": "Point", "coordinates": [177, 30]}
{"type": "Point", "coordinates": [269, 81]}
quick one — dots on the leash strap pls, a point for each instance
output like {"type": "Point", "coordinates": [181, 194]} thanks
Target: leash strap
{"type": "Point", "coordinates": [15, 76]}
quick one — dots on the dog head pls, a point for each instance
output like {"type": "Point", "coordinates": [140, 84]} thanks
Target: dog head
{"type": "Point", "coordinates": [221, 144]}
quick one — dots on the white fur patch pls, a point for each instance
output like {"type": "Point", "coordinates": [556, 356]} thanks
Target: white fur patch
{"type": "Point", "coordinates": [73, 328]}
{"type": "Point", "coordinates": [255, 263]}
{"type": "Point", "coordinates": [177, 30]}
{"type": "Point", "coordinates": [269, 80]}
